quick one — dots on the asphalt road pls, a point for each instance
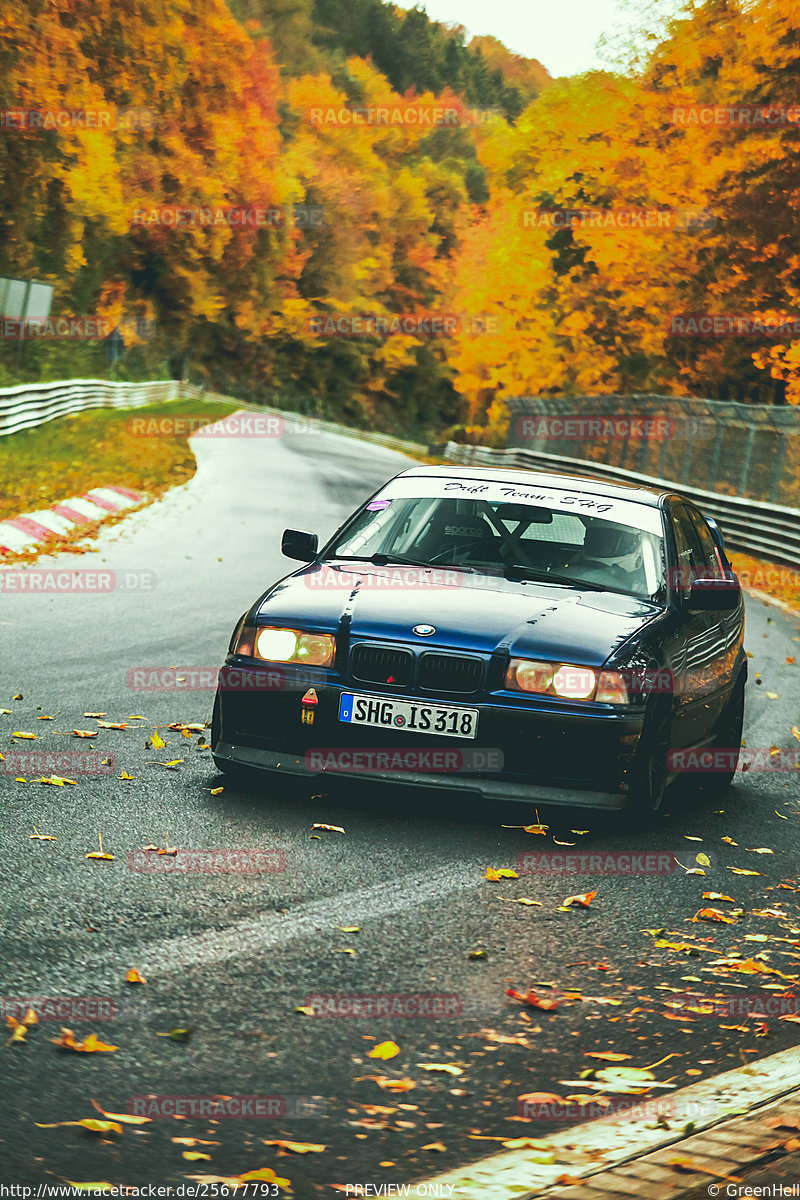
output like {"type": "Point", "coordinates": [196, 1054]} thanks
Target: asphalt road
{"type": "Point", "coordinates": [232, 956]}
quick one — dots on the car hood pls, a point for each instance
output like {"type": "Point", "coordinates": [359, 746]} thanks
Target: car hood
{"type": "Point", "coordinates": [468, 612]}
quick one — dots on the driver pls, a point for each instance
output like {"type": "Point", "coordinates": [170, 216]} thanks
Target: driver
{"type": "Point", "coordinates": [611, 553]}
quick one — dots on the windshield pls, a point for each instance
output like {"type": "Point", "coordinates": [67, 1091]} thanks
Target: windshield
{"type": "Point", "coordinates": [501, 537]}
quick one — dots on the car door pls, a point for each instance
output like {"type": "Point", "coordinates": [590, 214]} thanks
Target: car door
{"type": "Point", "coordinates": [704, 678]}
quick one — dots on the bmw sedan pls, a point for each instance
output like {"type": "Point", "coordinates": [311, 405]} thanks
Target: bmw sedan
{"type": "Point", "coordinates": [517, 635]}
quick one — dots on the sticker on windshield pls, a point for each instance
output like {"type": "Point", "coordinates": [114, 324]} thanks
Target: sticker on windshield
{"type": "Point", "coordinates": [375, 505]}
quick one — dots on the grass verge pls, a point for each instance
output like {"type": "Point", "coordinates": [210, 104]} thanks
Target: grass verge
{"type": "Point", "coordinates": [73, 454]}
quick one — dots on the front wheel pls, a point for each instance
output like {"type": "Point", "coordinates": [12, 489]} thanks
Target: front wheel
{"type": "Point", "coordinates": [727, 740]}
{"type": "Point", "coordinates": [649, 775]}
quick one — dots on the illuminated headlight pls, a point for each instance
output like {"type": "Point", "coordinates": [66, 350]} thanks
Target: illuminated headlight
{"type": "Point", "coordinates": [565, 680]}
{"type": "Point", "coordinates": [286, 645]}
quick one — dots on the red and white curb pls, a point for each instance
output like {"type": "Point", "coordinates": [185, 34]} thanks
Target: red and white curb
{"type": "Point", "coordinates": [23, 533]}
{"type": "Point", "coordinates": [583, 1151]}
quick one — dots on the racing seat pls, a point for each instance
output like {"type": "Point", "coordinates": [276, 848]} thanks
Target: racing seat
{"type": "Point", "coordinates": [456, 534]}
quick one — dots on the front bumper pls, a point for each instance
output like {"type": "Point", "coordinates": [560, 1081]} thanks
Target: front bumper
{"type": "Point", "coordinates": [553, 752]}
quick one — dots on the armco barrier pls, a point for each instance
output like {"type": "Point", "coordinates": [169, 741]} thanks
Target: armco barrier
{"type": "Point", "coordinates": [762, 529]}
{"type": "Point", "coordinates": [33, 404]}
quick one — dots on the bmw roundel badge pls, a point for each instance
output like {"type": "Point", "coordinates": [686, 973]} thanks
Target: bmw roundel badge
{"type": "Point", "coordinates": [424, 630]}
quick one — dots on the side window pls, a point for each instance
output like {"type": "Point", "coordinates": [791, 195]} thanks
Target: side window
{"type": "Point", "coordinates": [709, 546]}
{"type": "Point", "coordinates": [692, 562]}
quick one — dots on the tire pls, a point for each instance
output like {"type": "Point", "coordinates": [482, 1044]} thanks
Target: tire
{"type": "Point", "coordinates": [649, 776]}
{"type": "Point", "coordinates": [727, 736]}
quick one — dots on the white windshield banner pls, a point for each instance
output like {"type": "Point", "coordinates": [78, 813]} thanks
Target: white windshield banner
{"type": "Point", "coordinates": [609, 508]}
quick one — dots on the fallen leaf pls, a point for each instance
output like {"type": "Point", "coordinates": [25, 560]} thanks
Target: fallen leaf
{"type": "Point", "coordinates": [133, 976]}
{"type": "Point", "coordinates": [741, 871]}
{"type": "Point", "coordinates": [730, 841]}
{"type": "Point", "coordinates": [91, 1044]}
{"type": "Point", "coordinates": [541, 829]}
{"type": "Point", "coordinates": [235, 1181]}
{"type": "Point", "coordinates": [196, 1155]}
{"type": "Point", "coordinates": [156, 741]}
{"type": "Point", "coordinates": [520, 900]}
{"type": "Point", "coordinates": [446, 1068]}
{"type": "Point", "coordinates": [216, 791]}
{"type": "Point", "coordinates": [112, 725]}
{"type": "Point", "coordinates": [42, 837]}
{"type": "Point", "coordinates": [330, 828]}
{"type": "Point", "coordinates": [384, 1050]}
{"type": "Point", "coordinates": [295, 1147]}
{"type": "Point", "coordinates": [718, 896]}
{"type": "Point", "coordinates": [435, 1146]}
{"type": "Point", "coordinates": [100, 853]}
{"type": "Point", "coordinates": [759, 850]}
{"type": "Point", "coordinates": [607, 1055]}
{"type": "Point", "coordinates": [85, 733]}
{"type": "Point", "coordinates": [89, 1123]}
{"type": "Point", "coordinates": [90, 1187]}
{"type": "Point", "coordinates": [29, 736]}
{"type": "Point", "coordinates": [177, 1035]}
{"type": "Point", "coordinates": [540, 1098]}
{"type": "Point", "coordinates": [122, 1118]}
{"type": "Point", "coordinates": [712, 914]}
{"type": "Point", "coordinates": [530, 998]}
{"type": "Point", "coordinates": [584, 899]}
{"type": "Point", "coordinates": [94, 714]}
{"type": "Point", "coordinates": [501, 873]}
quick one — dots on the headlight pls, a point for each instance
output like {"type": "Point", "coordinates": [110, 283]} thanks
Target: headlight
{"type": "Point", "coordinates": [565, 680]}
{"type": "Point", "coordinates": [286, 645]}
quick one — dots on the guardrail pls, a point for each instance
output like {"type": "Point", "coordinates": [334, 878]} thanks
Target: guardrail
{"type": "Point", "coordinates": [751, 525]}
{"type": "Point", "coordinates": [33, 404]}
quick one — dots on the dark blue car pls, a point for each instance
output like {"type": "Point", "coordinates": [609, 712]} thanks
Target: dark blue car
{"type": "Point", "coordinates": [522, 636]}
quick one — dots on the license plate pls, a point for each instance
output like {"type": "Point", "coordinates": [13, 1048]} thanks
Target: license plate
{"type": "Point", "coordinates": [441, 719]}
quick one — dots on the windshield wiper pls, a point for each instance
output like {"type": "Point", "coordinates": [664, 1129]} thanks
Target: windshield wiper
{"type": "Point", "coordinates": [515, 572]}
{"type": "Point", "coordinates": [383, 560]}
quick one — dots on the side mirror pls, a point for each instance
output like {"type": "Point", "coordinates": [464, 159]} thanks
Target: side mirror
{"type": "Point", "coordinates": [296, 543]}
{"type": "Point", "coordinates": [714, 594]}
